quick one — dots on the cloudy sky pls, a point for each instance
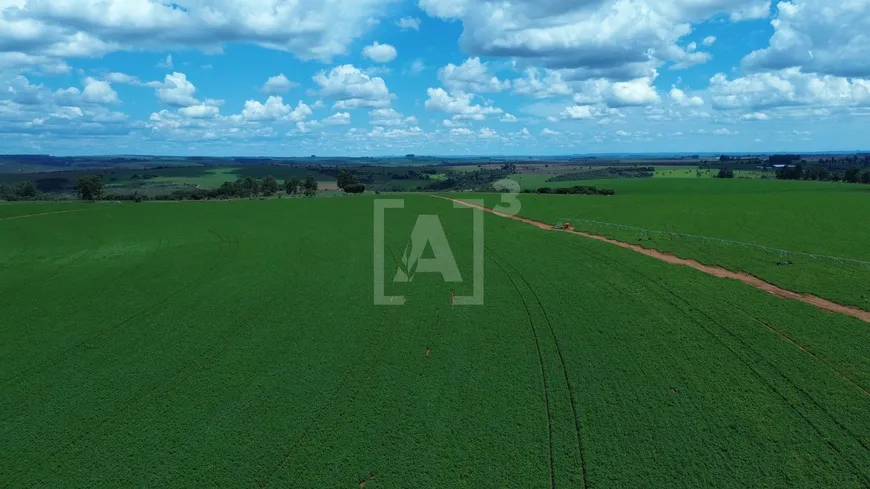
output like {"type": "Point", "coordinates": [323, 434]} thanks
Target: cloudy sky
{"type": "Point", "coordinates": [376, 77]}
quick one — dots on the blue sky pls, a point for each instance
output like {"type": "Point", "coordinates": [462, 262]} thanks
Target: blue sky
{"type": "Point", "coordinates": [446, 77]}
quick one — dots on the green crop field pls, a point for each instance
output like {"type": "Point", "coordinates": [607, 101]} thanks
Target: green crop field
{"type": "Point", "coordinates": [538, 176]}
{"type": "Point", "coordinates": [121, 180]}
{"type": "Point", "coordinates": [236, 344]}
{"type": "Point", "coordinates": [804, 218]}
{"type": "Point", "coordinates": [534, 181]}
{"type": "Point", "coordinates": [694, 172]}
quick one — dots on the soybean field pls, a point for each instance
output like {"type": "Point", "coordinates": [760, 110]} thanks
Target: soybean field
{"type": "Point", "coordinates": [238, 344]}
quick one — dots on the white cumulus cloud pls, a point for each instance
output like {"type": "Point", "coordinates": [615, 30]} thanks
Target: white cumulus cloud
{"type": "Point", "coordinates": [409, 23]}
{"type": "Point", "coordinates": [390, 117]}
{"type": "Point", "coordinates": [819, 36]}
{"type": "Point", "coordinates": [338, 119]}
{"type": "Point", "coordinates": [278, 84]}
{"type": "Point", "coordinates": [533, 84]}
{"type": "Point", "coordinates": [310, 29]}
{"type": "Point", "coordinates": [620, 39]}
{"type": "Point", "coordinates": [200, 111]}
{"type": "Point", "coordinates": [459, 105]}
{"type": "Point", "coordinates": [471, 76]}
{"type": "Point", "coordinates": [577, 112]}
{"type": "Point", "coordinates": [380, 53]}
{"type": "Point", "coordinates": [487, 133]}
{"type": "Point", "coordinates": [788, 87]}
{"type": "Point", "coordinates": [176, 90]}
{"type": "Point", "coordinates": [99, 92]}
{"type": "Point", "coordinates": [352, 88]}
{"type": "Point", "coordinates": [684, 100]}
{"type": "Point", "coordinates": [274, 109]}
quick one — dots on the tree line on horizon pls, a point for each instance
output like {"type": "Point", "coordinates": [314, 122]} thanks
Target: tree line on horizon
{"type": "Point", "coordinates": [798, 171]}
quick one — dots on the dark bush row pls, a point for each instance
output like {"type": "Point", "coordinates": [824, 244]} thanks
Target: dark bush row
{"type": "Point", "coordinates": [605, 173]}
{"type": "Point", "coordinates": [575, 190]}
{"type": "Point", "coordinates": [354, 188]}
{"type": "Point", "coordinates": [819, 172]}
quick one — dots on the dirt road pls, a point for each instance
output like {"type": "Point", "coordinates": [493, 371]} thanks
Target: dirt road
{"type": "Point", "coordinates": [711, 270]}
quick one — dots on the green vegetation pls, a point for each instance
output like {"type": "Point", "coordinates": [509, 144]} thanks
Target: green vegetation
{"type": "Point", "coordinates": [576, 190]}
{"type": "Point", "coordinates": [807, 217]}
{"type": "Point", "coordinates": [707, 171]}
{"type": "Point", "coordinates": [25, 190]}
{"type": "Point", "coordinates": [819, 171]}
{"type": "Point", "coordinates": [291, 186]}
{"type": "Point", "coordinates": [725, 173]}
{"type": "Point", "coordinates": [354, 188]}
{"type": "Point", "coordinates": [603, 173]}
{"type": "Point", "coordinates": [89, 187]}
{"type": "Point", "coordinates": [201, 344]}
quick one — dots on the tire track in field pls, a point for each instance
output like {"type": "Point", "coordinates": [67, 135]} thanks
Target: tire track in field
{"type": "Point", "coordinates": [183, 373]}
{"type": "Point", "coordinates": [720, 272]}
{"type": "Point", "coordinates": [223, 245]}
{"type": "Point", "coordinates": [37, 281]}
{"type": "Point", "coordinates": [784, 337]}
{"type": "Point", "coordinates": [142, 263]}
{"type": "Point", "coordinates": [571, 397]}
{"type": "Point", "coordinates": [665, 293]}
{"type": "Point", "coordinates": [320, 413]}
{"type": "Point", "coordinates": [543, 372]}
{"type": "Point", "coordinates": [180, 375]}
{"type": "Point", "coordinates": [143, 392]}
{"type": "Point", "coordinates": [48, 213]}
{"type": "Point", "coordinates": [788, 339]}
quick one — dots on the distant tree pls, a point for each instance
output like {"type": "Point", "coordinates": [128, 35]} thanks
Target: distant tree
{"type": "Point", "coordinates": [817, 172]}
{"type": "Point", "coordinates": [228, 190]}
{"type": "Point", "coordinates": [724, 158]}
{"type": "Point", "coordinates": [249, 186]}
{"type": "Point", "coordinates": [725, 173]}
{"type": "Point", "coordinates": [310, 186]}
{"type": "Point", "coordinates": [797, 172]}
{"type": "Point", "coordinates": [269, 186]}
{"type": "Point", "coordinates": [291, 186]}
{"type": "Point", "coordinates": [89, 187]}
{"type": "Point", "coordinates": [26, 190]}
{"type": "Point", "coordinates": [853, 175]}
{"type": "Point", "coordinates": [354, 188]}
{"type": "Point", "coordinates": [865, 178]}
{"type": "Point", "coordinates": [785, 159]}
{"type": "Point", "coordinates": [346, 178]}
